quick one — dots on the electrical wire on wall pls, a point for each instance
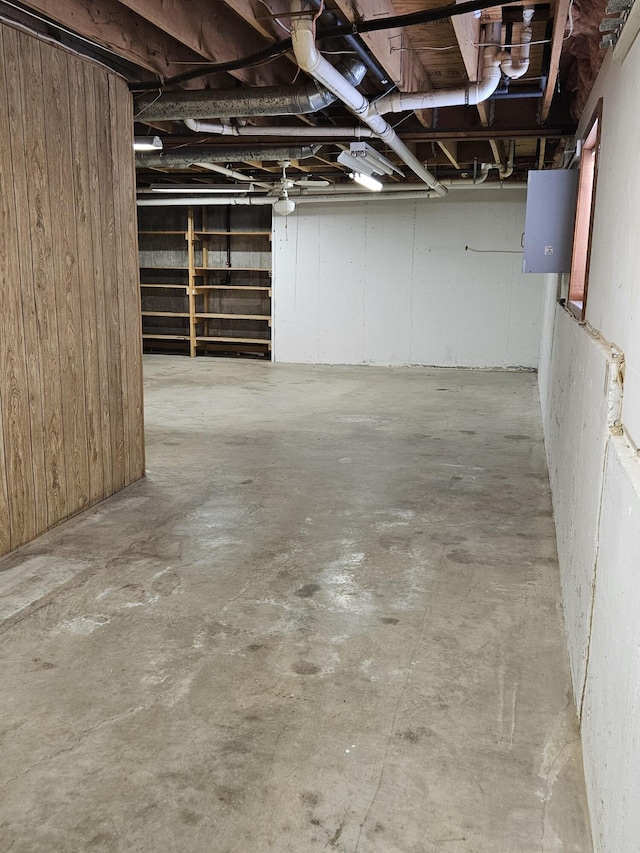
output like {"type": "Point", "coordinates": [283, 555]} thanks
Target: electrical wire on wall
{"type": "Point", "coordinates": [493, 251]}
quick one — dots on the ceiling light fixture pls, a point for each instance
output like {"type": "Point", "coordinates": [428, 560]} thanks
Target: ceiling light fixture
{"type": "Point", "coordinates": [147, 143]}
{"type": "Point", "coordinates": [365, 160]}
{"type": "Point", "coordinates": [366, 181]}
{"type": "Point", "coordinates": [284, 206]}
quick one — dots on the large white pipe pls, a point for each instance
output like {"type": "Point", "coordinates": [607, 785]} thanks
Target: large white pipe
{"type": "Point", "coordinates": [495, 61]}
{"type": "Point", "coordinates": [472, 94]}
{"type": "Point", "coordinates": [207, 201]}
{"type": "Point", "coordinates": [343, 194]}
{"type": "Point", "coordinates": [315, 65]}
{"type": "Point", "coordinates": [311, 132]}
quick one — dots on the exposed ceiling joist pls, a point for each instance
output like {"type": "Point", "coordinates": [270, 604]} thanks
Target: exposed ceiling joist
{"type": "Point", "coordinates": [213, 31]}
{"type": "Point", "coordinates": [559, 25]}
{"type": "Point", "coordinates": [264, 22]}
{"type": "Point", "coordinates": [110, 24]}
{"type": "Point", "coordinates": [450, 148]}
{"type": "Point", "coordinates": [467, 30]}
{"type": "Point", "coordinates": [499, 151]}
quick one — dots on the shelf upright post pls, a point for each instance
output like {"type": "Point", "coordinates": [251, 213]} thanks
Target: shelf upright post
{"type": "Point", "coordinates": [205, 263]}
{"type": "Point", "coordinates": [192, 283]}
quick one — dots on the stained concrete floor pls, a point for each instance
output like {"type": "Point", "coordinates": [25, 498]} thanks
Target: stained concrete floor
{"type": "Point", "coordinates": [328, 619]}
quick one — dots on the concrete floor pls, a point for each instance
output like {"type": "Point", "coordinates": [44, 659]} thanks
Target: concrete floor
{"type": "Point", "coordinates": [327, 619]}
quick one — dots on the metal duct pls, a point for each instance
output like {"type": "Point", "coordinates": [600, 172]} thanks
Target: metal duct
{"type": "Point", "coordinates": [183, 158]}
{"type": "Point", "coordinates": [245, 103]}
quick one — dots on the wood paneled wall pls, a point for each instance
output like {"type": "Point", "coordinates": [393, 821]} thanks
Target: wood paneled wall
{"type": "Point", "coordinates": [71, 430]}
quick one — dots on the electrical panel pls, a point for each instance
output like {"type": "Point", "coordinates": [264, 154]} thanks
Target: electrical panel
{"type": "Point", "coordinates": [550, 220]}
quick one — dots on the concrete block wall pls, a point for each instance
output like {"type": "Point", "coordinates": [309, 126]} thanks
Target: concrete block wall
{"type": "Point", "coordinates": [393, 283]}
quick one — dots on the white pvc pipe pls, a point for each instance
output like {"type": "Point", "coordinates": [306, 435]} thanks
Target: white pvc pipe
{"type": "Point", "coordinates": [231, 173]}
{"type": "Point", "coordinates": [345, 194]}
{"type": "Point", "coordinates": [507, 171]}
{"type": "Point", "coordinates": [473, 94]}
{"type": "Point", "coordinates": [494, 62]}
{"type": "Point", "coordinates": [315, 65]}
{"type": "Point", "coordinates": [311, 132]}
{"type": "Point", "coordinates": [206, 201]}
{"type": "Point", "coordinates": [480, 178]}
{"type": "Point", "coordinates": [512, 69]}
{"type": "Point", "coordinates": [211, 127]}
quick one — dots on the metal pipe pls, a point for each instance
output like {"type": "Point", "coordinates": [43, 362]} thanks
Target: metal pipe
{"type": "Point", "coordinates": [311, 61]}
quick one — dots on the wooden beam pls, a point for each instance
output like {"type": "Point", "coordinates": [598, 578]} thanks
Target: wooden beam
{"type": "Point", "coordinates": [403, 67]}
{"type": "Point", "coordinates": [258, 17]}
{"type": "Point", "coordinates": [467, 30]}
{"type": "Point", "coordinates": [450, 148]}
{"type": "Point", "coordinates": [559, 26]}
{"type": "Point", "coordinates": [108, 23]}
{"type": "Point", "coordinates": [213, 31]}
{"type": "Point", "coordinates": [541, 152]}
{"type": "Point", "coordinates": [499, 151]}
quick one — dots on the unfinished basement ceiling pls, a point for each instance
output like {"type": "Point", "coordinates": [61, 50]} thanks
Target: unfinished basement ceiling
{"type": "Point", "coordinates": [524, 124]}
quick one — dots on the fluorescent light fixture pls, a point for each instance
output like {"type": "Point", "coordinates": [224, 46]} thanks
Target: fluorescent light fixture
{"type": "Point", "coordinates": [373, 157]}
{"type": "Point", "coordinates": [147, 143]}
{"type": "Point", "coordinates": [365, 160]}
{"type": "Point", "coordinates": [355, 164]}
{"type": "Point", "coordinates": [366, 181]}
{"type": "Point", "coordinates": [201, 188]}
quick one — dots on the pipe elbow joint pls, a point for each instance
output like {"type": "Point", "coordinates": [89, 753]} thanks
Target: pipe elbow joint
{"type": "Point", "coordinates": [513, 72]}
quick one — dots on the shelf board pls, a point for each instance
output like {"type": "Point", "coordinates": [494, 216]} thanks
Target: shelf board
{"type": "Point", "coordinates": [203, 316]}
{"type": "Point", "coordinates": [159, 285]}
{"type": "Point", "coordinates": [263, 341]}
{"type": "Point", "coordinates": [167, 267]}
{"type": "Point", "coordinates": [146, 336]}
{"type": "Point", "coordinates": [231, 269]}
{"type": "Point", "coordinates": [161, 233]}
{"type": "Point", "coordinates": [166, 314]}
{"type": "Point", "coordinates": [259, 287]}
{"type": "Point", "coordinates": [232, 233]}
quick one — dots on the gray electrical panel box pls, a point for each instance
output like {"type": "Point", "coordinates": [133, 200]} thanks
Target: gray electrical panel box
{"type": "Point", "coordinates": [551, 214]}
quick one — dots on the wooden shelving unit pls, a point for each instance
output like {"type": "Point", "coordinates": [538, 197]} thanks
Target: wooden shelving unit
{"type": "Point", "coordinates": [206, 286]}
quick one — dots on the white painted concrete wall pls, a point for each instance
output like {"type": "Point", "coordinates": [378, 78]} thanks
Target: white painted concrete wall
{"type": "Point", "coordinates": [595, 472]}
{"type": "Point", "coordinates": [611, 715]}
{"type": "Point", "coordinates": [392, 283]}
{"type": "Point", "coordinates": [576, 434]}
